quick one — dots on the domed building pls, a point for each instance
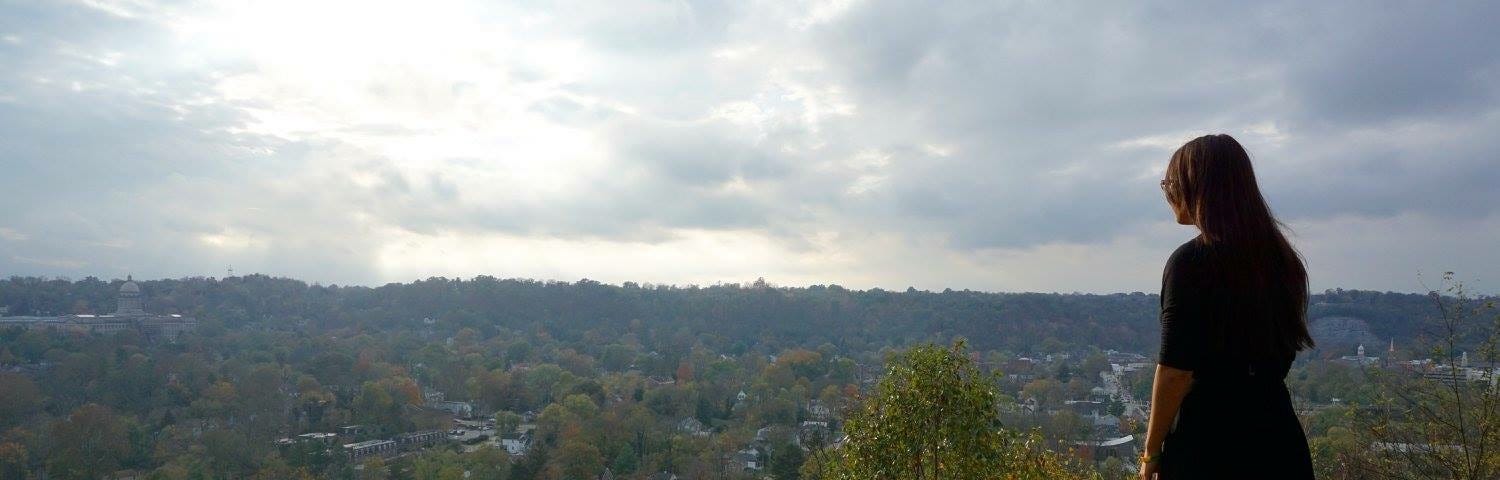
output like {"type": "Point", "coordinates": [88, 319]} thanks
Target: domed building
{"type": "Point", "coordinates": [130, 314]}
{"type": "Point", "coordinates": [129, 301]}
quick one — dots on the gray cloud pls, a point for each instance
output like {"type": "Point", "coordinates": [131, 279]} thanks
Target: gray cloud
{"type": "Point", "coordinates": [961, 130]}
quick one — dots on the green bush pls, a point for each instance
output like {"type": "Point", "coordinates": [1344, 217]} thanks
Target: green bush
{"type": "Point", "coordinates": [934, 416]}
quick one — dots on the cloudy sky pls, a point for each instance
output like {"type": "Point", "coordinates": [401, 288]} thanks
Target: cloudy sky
{"type": "Point", "coordinates": [1010, 146]}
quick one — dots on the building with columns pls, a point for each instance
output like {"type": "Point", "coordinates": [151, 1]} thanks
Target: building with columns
{"type": "Point", "coordinates": [130, 314]}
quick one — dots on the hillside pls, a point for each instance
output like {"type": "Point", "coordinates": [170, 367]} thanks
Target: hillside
{"type": "Point", "coordinates": [730, 317]}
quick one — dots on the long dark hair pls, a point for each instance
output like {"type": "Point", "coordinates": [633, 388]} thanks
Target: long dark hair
{"type": "Point", "coordinates": [1249, 260]}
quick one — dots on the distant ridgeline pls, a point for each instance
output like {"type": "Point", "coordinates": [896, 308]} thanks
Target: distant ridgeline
{"type": "Point", "coordinates": [728, 317]}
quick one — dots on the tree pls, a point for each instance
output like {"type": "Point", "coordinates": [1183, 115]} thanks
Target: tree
{"type": "Point", "coordinates": [1446, 423]}
{"type": "Point", "coordinates": [375, 469]}
{"type": "Point", "coordinates": [276, 469]}
{"type": "Point", "coordinates": [786, 462]}
{"type": "Point", "coordinates": [19, 397]}
{"type": "Point", "coordinates": [934, 416]}
{"type": "Point", "coordinates": [625, 462]}
{"type": "Point", "coordinates": [1046, 391]}
{"type": "Point", "coordinates": [506, 421]}
{"type": "Point", "coordinates": [13, 458]}
{"type": "Point", "coordinates": [440, 465]}
{"type": "Point", "coordinates": [488, 463]}
{"type": "Point", "coordinates": [382, 403]}
{"type": "Point", "coordinates": [577, 458]}
{"type": "Point", "coordinates": [228, 452]}
{"type": "Point", "coordinates": [88, 444]}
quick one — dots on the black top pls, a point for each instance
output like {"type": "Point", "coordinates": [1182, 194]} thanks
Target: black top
{"type": "Point", "coordinates": [1182, 308]}
{"type": "Point", "coordinates": [1191, 297]}
{"type": "Point", "coordinates": [1237, 419]}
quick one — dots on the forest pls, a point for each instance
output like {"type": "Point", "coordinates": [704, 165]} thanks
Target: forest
{"type": "Point", "coordinates": [733, 318]}
{"type": "Point", "coordinates": [625, 381]}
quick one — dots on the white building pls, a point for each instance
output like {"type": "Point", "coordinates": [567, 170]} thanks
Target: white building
{"type": "Point", "coordinates": [129, 315]}
{"type": "Point", "coordinates": [514, 446]}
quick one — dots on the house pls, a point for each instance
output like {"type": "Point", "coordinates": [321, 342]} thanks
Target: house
{"type": "Point", "coordinates": [739, 401]}
{"type": "Point", "coordinates": [515, 444]}
{"type": "Point", "coordinates": [763, 435]}
{"type": "Point", "coordinates": [662, 476]}
{"type": "Point", "coordinates": [1101, 394]}
{"type": "Point", "coordinates": [692, 426]}
{"type": "Point", "coordinates": [818, 411]}
{"type": "Point", "coordinates": [1113, 356]}
{"type": "Point", "coordinates": [458, 409]}
{"type": "Point", "coordinates": [1105, 424]}
{"type": "Point", "coordinates": [352, 430]}
{"type": "Point", "coordinates": [746, 460]}
{"type": "Point", "coordinates": [1086, 407]}
{"type": "Point", "coordinates": [658, 381]}
{"type": "Point", "coordinates": [812, 433]}
{"type": "Point", "coordinates": [1030, 405]}
{"type": "Point", "coordinates": [1123, 448]}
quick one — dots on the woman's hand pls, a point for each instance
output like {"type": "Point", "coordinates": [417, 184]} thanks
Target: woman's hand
{"type": "Point", "coordinates": [1148, 470]}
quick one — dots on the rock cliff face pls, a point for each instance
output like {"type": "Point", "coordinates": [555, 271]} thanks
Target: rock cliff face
{"type": "Point", "coordinates": [1338, 334]}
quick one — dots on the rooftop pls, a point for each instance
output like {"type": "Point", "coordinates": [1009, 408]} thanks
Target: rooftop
{"type": "Point", "coordinates": [366, 443]}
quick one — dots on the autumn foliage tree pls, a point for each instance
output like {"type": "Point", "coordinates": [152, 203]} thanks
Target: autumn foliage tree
{"type": "Point", "coordinates": [90, 442]}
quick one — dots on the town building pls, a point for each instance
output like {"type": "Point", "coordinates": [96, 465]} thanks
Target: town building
{"type": "Point", "coordinates": [1124, 448]}
{"type": "Point", "coordinates": [1359, 357]}
{"type": "Point", "coordinates": [370, 448]}
{"type": "Point", "coordinates": [515, 444]}
{"type": "Point", "coordinates": [1452, 376]}
{"type": "Point", "coordinates": [129, 315]}
{"type": "Point", "coordinates": [318, 437]}
{"type": "Point", "coordinates": [415, 440]}
{"type": "Point", "coordinates": [457, 409]}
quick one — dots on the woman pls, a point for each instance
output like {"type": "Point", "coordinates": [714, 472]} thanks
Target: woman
{"type": "Point", "coordinates": [1233, 317]}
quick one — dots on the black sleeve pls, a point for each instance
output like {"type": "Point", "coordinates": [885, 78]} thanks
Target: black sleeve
{"type": "Point", "coordinates": [1181, 312]}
